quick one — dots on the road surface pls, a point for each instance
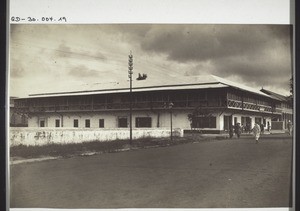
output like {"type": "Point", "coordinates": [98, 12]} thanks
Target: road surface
{"type": "Point", "coordinates": [221, 173]}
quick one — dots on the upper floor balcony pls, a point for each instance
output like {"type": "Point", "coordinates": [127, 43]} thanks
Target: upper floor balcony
{"type": "Point", "coordinates": [145, 105]}
{"type": "Point", "coordinates": [187, 99]}
{"type": "Point", "coordinates": [248, 106]}
{"type": "Point", "coordinates": [154, 105]}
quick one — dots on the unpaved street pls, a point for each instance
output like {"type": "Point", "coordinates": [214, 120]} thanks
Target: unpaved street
{"type": "Point", "coordinates": [221, 173]}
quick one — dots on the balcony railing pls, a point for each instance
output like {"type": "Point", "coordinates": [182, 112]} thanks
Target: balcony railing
{"type": "Point", "coordinates": [189, 104]}
{"type": "Point", "coordinates": [124, 106]}
{"type": "Point", "coordinates": [251, 106]}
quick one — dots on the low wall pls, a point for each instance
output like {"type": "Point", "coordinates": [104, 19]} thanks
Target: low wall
{"type": "Point", "coordinates": [43, 136]}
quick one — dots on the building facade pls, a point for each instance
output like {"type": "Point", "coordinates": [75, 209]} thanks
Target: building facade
{"type": "Point", "coordinates": [209, 104]}
{"type": "Point", "coordinates": [285, 108]}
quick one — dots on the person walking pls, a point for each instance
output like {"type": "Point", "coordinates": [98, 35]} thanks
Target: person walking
{"type": "Point", "coordinates": [256, 132]}
{"type": "Point", "coordinates": [290, 127]}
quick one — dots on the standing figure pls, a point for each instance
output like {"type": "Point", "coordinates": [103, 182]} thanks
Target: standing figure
{"type": "Point", "coordinates": [262, 128]}
{"type": "Point", "coordinates": [231, 131]}
{"type": "Point", "coordinates": [269, 127]}
{"type": "Point", "coordinates": [238, 130]}
{"type": "Point", "coordinates": [290, 127]}
{"type": "Point", "coordinates": [248, 128]}
{"type": "Point", "coordinates": [256, 132]}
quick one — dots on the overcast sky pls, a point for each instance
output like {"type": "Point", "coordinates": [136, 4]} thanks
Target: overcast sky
{"type": "Point", "coordinates": [50, 58]}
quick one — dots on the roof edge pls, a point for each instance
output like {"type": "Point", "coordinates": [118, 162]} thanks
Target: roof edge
{"type": "Point", "coordinates": [120, 89]}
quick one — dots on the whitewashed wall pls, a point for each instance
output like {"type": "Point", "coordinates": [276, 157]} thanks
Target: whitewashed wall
{"type": "Point", "coordinates": [43, 136]}
{"type": "Point", "coordinates": [239, 119]}
{"type": "Point", "coordinates": [111, 118]}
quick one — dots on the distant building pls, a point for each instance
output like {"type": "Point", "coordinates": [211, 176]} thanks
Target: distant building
{"type": "Point", "coordinates": [207, 103]}
{"type": "Point", "coordinates": [286, 110]}
{"type": "Point", "coordinates": [17, 117]}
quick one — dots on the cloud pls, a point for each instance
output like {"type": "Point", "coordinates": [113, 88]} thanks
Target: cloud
{"type": "Point", "coordinates": [185, 43]}
{"type": "Point", "coordinates": [258, 55]}
{"type": "Point", "coordinates": [133, 32]}
{"type": "Point", "coordinates": [255, 54]}
{"type": "Point", "coordinates": [82, 71]}
{"type": "Point", "coordinates": [64, 51]}
{"type": "Point", "coordinates": [258, 71]}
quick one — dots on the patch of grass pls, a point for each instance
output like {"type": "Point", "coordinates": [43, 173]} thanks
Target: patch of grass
{"type": "Point", "coordinates": [68, 150]}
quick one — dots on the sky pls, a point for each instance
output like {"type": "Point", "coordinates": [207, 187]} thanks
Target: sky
{"type": "Point", "coordinates": [54, 58]}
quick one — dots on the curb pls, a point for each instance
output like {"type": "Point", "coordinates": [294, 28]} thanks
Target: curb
{"type": "Point", "coordinates": [30, 160]}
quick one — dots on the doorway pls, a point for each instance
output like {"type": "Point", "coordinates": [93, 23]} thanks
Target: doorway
{"type": "Point", "coordinates": [227, 122]}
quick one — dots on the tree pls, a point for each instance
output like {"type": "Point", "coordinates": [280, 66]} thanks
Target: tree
{"type": "Point", "coordinates": [198, 111]}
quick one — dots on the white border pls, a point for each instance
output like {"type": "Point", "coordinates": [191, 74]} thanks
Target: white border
{"type": "Point", "coordinates": [153, 11]}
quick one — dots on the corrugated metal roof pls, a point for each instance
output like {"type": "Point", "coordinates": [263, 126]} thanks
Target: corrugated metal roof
{"type": "Point", "coordinates": [242, 87]}
{"type": "Point", "coordinates": [125, 90]}
{"type": "Point", "coordinates": [157, 84]}
{"type": "Point", "coordinates": [273, 94]}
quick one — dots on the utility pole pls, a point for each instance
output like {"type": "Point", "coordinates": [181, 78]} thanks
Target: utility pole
{"type": "Point", "coordinates": [130, 68]}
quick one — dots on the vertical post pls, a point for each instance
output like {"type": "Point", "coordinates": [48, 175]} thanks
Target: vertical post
{"type": "Point", "coordinates": [171, 124]}
{"type": "Point", "coordinates": [171, 119]}
{"type": "Point", "coordinates": [130, 68]}
{"type": "Point", "coordinates": [130, 112]}
{"type": "Point", "coordinates": [130, 119]}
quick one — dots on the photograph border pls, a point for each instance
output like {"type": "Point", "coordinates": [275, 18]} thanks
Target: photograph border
{"type": "Point", "coordinates": [4, 101]}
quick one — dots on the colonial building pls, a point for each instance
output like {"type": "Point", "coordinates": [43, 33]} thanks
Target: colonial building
{"type": "Point", "coordinates": [208, 103]}
{"type": "Point", "coordinates": [286, 110]}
